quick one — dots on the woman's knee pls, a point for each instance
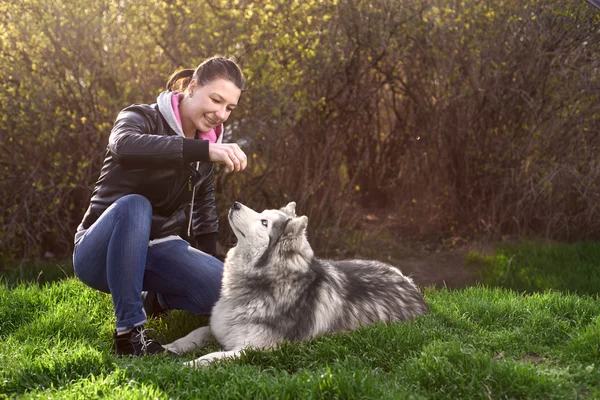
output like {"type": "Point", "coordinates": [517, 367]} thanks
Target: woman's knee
{"type": "Point", "coordinates": [135, 202]}
{"type": "Point", "coordinates": [135, 207]}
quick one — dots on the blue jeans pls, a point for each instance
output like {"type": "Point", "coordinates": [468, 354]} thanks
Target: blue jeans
{"type": "Point", "coordinates": [114, 257]}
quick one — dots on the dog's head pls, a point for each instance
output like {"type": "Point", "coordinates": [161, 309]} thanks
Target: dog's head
{"type": "Point", "coordinates": [268, 231]}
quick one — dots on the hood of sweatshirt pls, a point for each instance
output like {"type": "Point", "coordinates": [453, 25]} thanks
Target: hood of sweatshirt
{"type": "Point", "coordinates": [165, 108]}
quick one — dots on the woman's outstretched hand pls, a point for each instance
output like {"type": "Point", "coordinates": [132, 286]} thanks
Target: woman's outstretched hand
{"type": "Point", "coordinates": [229, 154]}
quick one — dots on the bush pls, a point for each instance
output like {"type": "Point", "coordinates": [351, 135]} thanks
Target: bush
{"type": "Point", "coordinates": [471, 116]}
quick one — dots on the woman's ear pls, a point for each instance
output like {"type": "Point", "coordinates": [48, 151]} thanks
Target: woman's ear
{"type": "Point", "coordinates": [191, 87]}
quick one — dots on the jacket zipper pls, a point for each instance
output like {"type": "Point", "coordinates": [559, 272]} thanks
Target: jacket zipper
{"type": "Point", "coordinates": [193, 190]}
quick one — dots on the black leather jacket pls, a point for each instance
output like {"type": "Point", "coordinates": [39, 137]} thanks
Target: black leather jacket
{"type": "Point", "coordinates": [145, 156]}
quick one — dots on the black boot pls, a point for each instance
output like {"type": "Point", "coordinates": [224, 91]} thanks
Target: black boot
{"type": "Point", "coordinates": [137, 343]}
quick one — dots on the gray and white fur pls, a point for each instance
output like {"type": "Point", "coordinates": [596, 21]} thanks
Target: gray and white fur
{"type": "Point", "coordinates": [275, 289]}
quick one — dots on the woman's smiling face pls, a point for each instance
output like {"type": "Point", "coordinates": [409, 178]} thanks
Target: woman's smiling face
{"type": "Point", "coordinates": [208, 106]}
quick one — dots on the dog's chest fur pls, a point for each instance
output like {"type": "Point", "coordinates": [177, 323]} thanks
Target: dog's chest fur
{"type": "Point", "coordinates": [264, 305]}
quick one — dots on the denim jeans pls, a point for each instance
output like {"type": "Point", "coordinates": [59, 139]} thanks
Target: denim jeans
{"type": "Point", "coordinates": [114, 256]}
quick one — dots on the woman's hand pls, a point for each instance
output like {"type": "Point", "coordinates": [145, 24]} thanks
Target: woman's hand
{"type": "Point", "coordinates": [229, 154]}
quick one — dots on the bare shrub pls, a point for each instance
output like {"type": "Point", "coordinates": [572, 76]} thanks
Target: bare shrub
{"type": "Point", "coordinates": [471, 117]}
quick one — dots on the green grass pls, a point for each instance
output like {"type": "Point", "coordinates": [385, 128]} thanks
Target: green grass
{"type": "Point", "coordinates": [40, 272]}
{"type": "Point", "coordinates": [540, 341]}
{"type": "Point", "coordinates": [477, 343]}
{"type": "Point", "coordinates": [535, 267]}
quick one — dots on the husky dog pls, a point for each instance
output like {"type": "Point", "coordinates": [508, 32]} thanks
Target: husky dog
{"type": "Point", "coordinates": [275, 289]}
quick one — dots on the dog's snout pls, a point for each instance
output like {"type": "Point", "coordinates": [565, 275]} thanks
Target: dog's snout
{"type": "Point", "coordinates": [236, 205]}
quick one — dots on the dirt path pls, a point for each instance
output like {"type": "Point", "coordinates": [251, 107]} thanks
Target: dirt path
{"type": "Point", "coordinates": [443, 269]}
{"type": "Point", "coordinates": [428, 259]}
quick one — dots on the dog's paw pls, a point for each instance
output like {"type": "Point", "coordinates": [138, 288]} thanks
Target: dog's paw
{"type": "Point", "coordinates": [197, 363]}
{"type": "Point", "coordinates": [193, 340]}
{"type": "Point", "coordinates": [172, 347]}
{"type": "Point", "coordinates": [207, 359]}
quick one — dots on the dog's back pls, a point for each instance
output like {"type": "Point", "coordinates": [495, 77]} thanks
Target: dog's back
{"type": "Point", "coordinates": [349, 294]}
{"type": "Point", "coordinates": [377, 292]}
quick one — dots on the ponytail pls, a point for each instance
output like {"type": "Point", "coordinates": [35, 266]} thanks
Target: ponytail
{"type": "Point", "coordinates": [179, 81]}
{"type": "Point", "coordinates": [212, 68]}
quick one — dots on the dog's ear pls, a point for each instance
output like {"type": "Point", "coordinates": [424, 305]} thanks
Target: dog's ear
{"type": "Point", "coordinates": [290, 209]}
{"type": "Point", "coordinates": [297, 225]}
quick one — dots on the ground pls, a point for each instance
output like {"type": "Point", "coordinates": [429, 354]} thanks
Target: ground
{"type": "Point", "coordinates": [428, 258]}
{"type": "Point", "coordinates": [445, 268]}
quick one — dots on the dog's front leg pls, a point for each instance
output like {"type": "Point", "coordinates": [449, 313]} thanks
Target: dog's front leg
{"type": "Point", "coordinates": [211, 357]}
{"type": "Point", "coordinates": [193, 340]}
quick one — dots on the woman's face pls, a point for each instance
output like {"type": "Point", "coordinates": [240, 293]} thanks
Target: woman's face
{"type": "Point", "coordinates": [210, 105]}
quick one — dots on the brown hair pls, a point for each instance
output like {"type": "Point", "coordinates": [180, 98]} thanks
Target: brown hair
{"type": "Point", "coordinates": [212, 68]}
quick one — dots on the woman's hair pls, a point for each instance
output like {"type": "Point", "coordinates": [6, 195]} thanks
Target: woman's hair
{"type": "Point", "coordinates": [212, 68]}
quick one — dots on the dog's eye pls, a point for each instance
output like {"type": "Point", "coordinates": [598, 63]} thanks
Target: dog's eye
{"type": "Point", "coordinates": [264, 222]}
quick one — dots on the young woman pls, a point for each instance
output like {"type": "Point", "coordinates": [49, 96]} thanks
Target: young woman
{"type": "Point", "coordinates": [152, 223]}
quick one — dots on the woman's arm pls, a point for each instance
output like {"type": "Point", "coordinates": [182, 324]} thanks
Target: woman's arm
{"type": "Point", "coordinates": [138, 141]}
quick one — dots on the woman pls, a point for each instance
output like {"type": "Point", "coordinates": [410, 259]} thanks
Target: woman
{"type": "Point", "coordinates": [152, 223]}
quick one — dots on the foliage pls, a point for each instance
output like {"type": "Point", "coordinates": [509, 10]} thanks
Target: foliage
{"type": "Point", "coordinates": [473, 115]}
